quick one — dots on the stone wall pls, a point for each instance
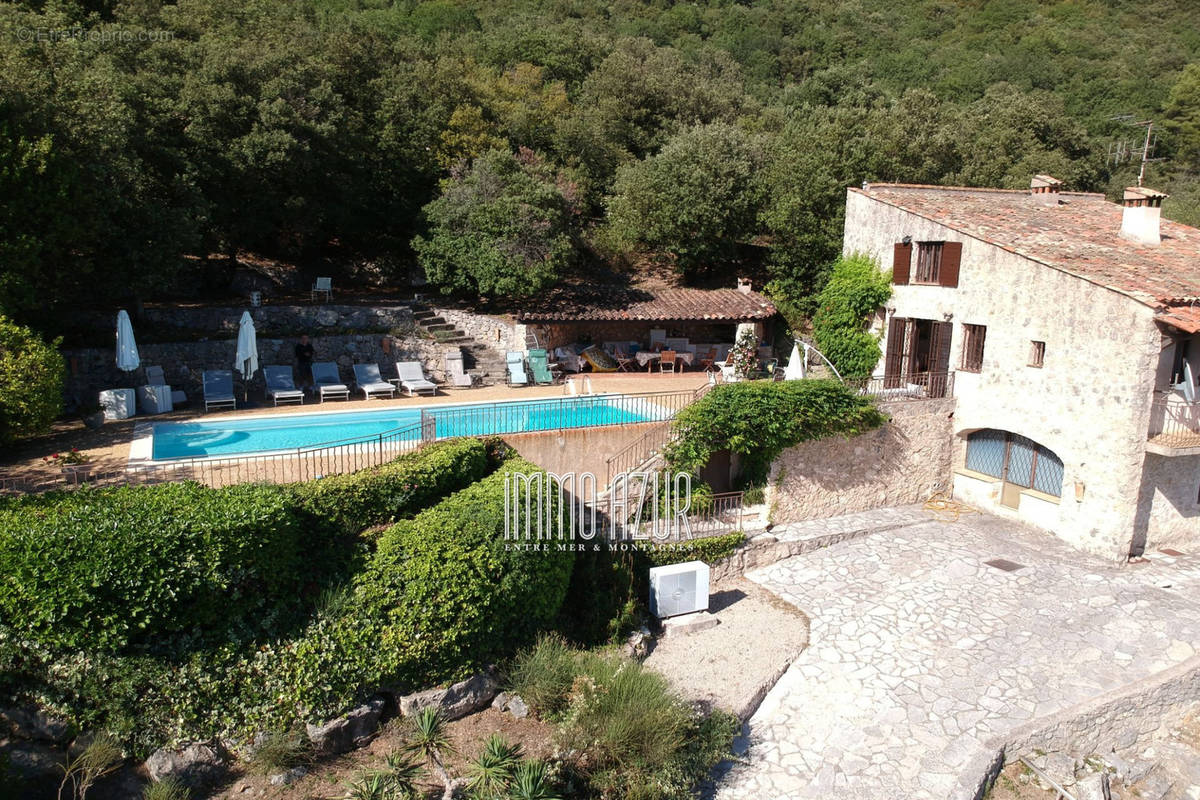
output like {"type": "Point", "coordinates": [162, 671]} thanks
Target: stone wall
{"type": "Point", "coordinates": [1169, 504]}
{"type": "Point", "coordinates": [91, 370]}
{"type": "Point", "coordinates": [498, 333]}
{"type": "Point", "coordinates": [1089, 403]}
{"type": "Point", "coordinates": [175, 323]}
{"type": "Point", "coordinates": [905, 461]}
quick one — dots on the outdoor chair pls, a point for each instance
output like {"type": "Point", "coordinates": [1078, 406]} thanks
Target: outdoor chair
{"type": "Point", "coordinates": [323, 286]}
{"type": "Point", "coordinates": [623, 360]}
{"type": "Point", "coordinates": [218, 389]}
{"type": "Point", "coordinates": [327, 381]}
{"type": "Point", "coordinates": [155, 377]}
{"type": "Point", "coordinates": [457, 376]}
{"type": "Point", "coordinates": [412, 378]}
{"type": "Point", "coordinates": [515, 364]}
{"type": "Point", "coordinates": [666, 362]}
{"type": "Point", "coordinates": [280, 386]}
{"type": "Point", "coordinates": [709, 362]}
{"type": "Point", "coordinates": [371, 383]}
{"type": "Point", "coordinates": [540, 366]}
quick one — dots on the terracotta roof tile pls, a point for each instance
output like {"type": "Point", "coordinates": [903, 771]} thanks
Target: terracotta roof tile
{"type": "Point", "coordinates": [1079, 236]}
{"type": "Point", "coordinates": [647, 303]}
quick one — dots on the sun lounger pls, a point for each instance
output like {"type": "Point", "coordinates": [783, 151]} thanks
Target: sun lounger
{"type": "Point", "coordinates": [456, 374]}
{"type": "Point", "coordinates": [218, 389]}
{"type": "Point", "coordinates": [539, 364]}
{"type": "Point", "coordinates": [515, 363]}
{"type": "Point", "coordinates": [328, 382]}
{"type": "Point", "coordinates": [412, 378]}
{"type": "Point", "coordinates": [280, 386]}
{"type": "Point", "coordinates": [370, 382]}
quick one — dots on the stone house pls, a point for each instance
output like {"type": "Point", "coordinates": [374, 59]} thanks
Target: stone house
{"type": "Point", "coordinates": [1072, 327]}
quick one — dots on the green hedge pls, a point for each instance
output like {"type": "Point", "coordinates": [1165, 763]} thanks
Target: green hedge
{"type": "Point", "coordinates": [107, 569]}
{"type": "Point", "coordinates": [143, 566]}
{"type": "Point", "coordinates": [394, 490]}
{"type": "Point", "coordinates": [440, 596]}
{"type": "Point", "coordinates": [443, 595]}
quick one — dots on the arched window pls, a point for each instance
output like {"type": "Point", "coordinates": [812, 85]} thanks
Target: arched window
{"type": "Point", "coordinates": [1015, 459]}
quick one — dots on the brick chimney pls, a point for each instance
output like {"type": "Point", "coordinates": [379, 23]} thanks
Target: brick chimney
{"type": "Point", "coordinates": [744, 286]}
{"type": "Point", "coordinates": [1044, 189]}
{"type": "Point", "coordinates": [1142, 214]}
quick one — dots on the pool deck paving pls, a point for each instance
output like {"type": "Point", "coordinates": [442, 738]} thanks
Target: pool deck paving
{"type": "Point", "coordinates": [922, 656]}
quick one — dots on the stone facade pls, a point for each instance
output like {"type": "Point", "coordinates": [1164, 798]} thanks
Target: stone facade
{"type": "Point", "coordinates": [1169, 504]}
{"type": "Point", "coordinates": [905, 461]}
{"type": "Point", "coordinates": [1089, 403]}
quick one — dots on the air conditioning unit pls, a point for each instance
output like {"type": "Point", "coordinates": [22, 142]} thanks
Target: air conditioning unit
{"type": "Point", "coordinates": [678, 589]}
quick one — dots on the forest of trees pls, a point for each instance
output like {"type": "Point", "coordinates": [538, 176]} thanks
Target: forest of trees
{"type": "Point", "coordinates": [503, 143]}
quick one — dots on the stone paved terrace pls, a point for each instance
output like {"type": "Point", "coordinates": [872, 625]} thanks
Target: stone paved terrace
{"type": "Point", "coordinates": [923, 657]}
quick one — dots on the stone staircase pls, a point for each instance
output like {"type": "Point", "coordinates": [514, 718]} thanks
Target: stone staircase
{"type": "Point", "coordinates": [477, 357]}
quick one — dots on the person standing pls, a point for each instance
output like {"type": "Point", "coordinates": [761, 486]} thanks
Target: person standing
{"type": "Point", "coordinates": [304, 357]}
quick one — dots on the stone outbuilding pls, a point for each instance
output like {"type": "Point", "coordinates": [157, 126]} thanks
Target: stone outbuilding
{"type": "Point", "coordinates": [1072, 327]}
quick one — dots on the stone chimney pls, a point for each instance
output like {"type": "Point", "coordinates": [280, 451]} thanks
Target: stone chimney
{"type": "Point", "coordinates": [1142, 214]}
{"type": "Point", "coordinates": [1044, 189]}
{"type": "Point", "coordinates": [744, 286]}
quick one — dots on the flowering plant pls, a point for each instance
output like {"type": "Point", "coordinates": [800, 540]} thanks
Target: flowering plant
{"type": "Point", "coordinates": [69, 458]}
{"type": "Point", "coordinates": [744, 354]}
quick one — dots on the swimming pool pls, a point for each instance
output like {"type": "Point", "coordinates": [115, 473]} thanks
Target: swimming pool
{"type": "Point", "coordinates": [240, 435]}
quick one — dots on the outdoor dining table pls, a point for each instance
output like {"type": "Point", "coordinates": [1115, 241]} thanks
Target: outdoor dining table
{"type": "Point", "coordinates": [646, 358]}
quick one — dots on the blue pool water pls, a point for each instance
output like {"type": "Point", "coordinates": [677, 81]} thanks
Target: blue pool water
{"type": "Point", "coordinates": [233, 435]}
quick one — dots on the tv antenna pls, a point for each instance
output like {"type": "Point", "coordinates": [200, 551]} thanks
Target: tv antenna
{"type": "Point", "coordinates": [1123, 151]}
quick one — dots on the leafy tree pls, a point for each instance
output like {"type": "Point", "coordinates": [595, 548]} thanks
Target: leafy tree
{"type": "Point", "coordinates": [31, 382]}
{"type": "Point", "coordinates": [1183, 116]}
{"type": "Point", "coordinates": [499, 228]}
{"type": "Point", "coordinates": [856, 290]}
{"type": "Point", "coordinates": [696, 199]}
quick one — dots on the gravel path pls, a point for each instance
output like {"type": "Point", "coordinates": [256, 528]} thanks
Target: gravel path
{"type": "Point", "coordinates": [733, 665]}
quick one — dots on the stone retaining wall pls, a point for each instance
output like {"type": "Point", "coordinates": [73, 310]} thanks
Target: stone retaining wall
{"type": "Point", "coordinates": [903, 462]}
{"type": "Point", "coordinates": [1123, 721]}
{"type": "Point", "coordinates": [216, 322]}
{"type": "Point", "coordinates": [498, 333]}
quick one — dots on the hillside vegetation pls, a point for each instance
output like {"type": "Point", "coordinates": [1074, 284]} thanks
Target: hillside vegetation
{"type": "Point", "coordinates": [138, 138]}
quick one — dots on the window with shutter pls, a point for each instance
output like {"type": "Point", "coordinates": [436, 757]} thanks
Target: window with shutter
{"type": "Point", "coordinates": [1037, 354]}
{"type": "Point", "coordinates": [972, 352]}
{"type": "Point", "coordinates": [901, 263]}
{"type": "Point", "coordinates": [929, 262]}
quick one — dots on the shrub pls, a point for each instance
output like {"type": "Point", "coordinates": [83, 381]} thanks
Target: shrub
{"type": "Point", "coordinates": [759, 420]}
{"type": "Point", "coordinates": [31, 382]}
{"type": "Point", "coordinates": [640, 739]}
{"type": "Point", "coordinates": [444, 594]}
{"type": "Point", "coordinates": [710, 550]}
{"type": "Point", "coordinates": [107, 569]}
{"type": "Point", "coordinates": [400, 488]}
{"type": "Point", "coordinates": [856, 289]}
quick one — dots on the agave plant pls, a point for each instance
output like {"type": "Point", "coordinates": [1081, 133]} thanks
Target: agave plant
{"type": "Point", "coordinates": [402, 770]}
{"type": "Point", "coordinates": [530, 782]}
{"type": "Point", "coordinates": [492, 770]}
{"type": "Point", "coordinates": [370, 786]}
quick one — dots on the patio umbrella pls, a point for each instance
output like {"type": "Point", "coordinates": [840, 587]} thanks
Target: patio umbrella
{"type": "Point", "coordinates": [796, 363]}
{"type": "Point", "coordinates": [246, 360]}
{"type": "Point", "coordinates": [127, 352]}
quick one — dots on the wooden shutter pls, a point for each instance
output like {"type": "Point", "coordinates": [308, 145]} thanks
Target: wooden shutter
{"type": "Point", "coordinates": [895, 352]}
{"type": "Point", "coordinates": [940, 362]}
{"type": "Point", "coordinates": [951, 256]}
{"type": "Point", "coordinates": [901, 263]}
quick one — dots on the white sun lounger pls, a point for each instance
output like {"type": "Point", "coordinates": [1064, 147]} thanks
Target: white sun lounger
{"type": "Point", "coordinates": [280, 386]}
{"type": "Point", "coordinates": [412, 379]}
{"type": "Point", "coordinates": [370, 382]}
{"type": "Point", "coordinates": [328, 382]}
